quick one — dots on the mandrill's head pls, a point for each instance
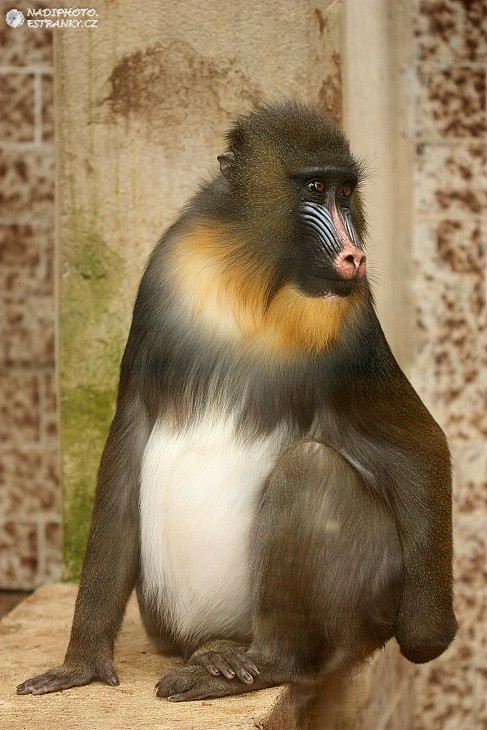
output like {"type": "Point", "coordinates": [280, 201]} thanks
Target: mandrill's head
{"type": "Point", "coordinates": [282, 251]}
{"type": "Point", "coordinates": [294, 183]}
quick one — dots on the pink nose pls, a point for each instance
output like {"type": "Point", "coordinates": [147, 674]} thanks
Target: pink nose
{"type": "Point", "coordinates": [350, 263]}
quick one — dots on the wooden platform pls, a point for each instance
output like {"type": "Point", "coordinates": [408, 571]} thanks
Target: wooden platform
{"type": "Point", "coordinates": [33, 638]}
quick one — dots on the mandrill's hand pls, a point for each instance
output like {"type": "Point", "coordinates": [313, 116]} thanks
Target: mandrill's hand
{"type": "Point", "coordinates": [68, 676]}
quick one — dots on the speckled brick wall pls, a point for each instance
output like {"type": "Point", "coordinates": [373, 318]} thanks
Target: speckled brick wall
{"type": "Point", "coordinates": [29, 488]}
{"type": "Point", "coordinates": [450, 285]}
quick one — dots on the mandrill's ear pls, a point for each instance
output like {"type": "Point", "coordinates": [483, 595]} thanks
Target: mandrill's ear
{"type": "Point", "coordinates": [226, 160]}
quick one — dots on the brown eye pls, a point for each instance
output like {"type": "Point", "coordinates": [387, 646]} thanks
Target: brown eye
{"type": "Point", "coordinates": [317, 186]}
{"type": "Point", "coordinates": [346, 191]}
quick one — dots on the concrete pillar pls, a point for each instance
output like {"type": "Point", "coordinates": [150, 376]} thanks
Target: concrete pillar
{"type": "Point", "coordinates": [376, 49]}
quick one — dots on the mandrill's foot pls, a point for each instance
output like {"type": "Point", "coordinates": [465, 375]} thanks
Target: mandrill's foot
{"type": "Point", "coordinates": [65, 677]}
{"type": "Point", "coordinates": [195, 683]}
{"type": "Point", "coordinates": [217, 669]}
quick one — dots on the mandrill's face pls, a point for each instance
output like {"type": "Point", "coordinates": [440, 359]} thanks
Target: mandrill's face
{"type": "Point", "coordinates": [329, 260]}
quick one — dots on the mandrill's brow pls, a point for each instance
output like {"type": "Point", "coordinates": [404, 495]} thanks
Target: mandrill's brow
{"type": "Point", "coordinates": [340, 172]}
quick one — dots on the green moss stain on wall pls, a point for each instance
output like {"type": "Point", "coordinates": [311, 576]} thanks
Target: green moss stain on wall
{"type": "Point", "coordinates": [92, 336]}
{"type": "Point", "coordinates": [91, 324]}
{"type": "Point", "coordinates": [86, 416]}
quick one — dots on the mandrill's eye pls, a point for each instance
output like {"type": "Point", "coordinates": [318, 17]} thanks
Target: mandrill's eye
{"type": "Point", "coordinates": [316, 186]}
{"type": "Point", "coordinates": [346, 190]}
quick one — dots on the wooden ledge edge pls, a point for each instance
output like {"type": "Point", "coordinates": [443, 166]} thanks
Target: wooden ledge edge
{"type": "Point", "coordinates": [34, 636]}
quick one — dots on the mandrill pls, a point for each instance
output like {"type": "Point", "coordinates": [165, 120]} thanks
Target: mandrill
{"type": "Point", "coordinates": [271, 485]}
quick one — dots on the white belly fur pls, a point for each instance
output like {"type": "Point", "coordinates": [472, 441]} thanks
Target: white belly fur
{"type": "Point", "coordinates": [199, 492]}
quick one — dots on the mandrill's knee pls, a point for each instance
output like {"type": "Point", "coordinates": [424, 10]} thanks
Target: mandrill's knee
{"type": "Point", "coordinates": [312, 463]}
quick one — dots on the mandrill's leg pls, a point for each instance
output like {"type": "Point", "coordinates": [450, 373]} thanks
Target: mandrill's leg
{"type": "Point", "coordinates": [327, 576]}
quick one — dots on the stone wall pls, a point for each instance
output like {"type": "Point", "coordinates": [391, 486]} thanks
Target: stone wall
{"type": "Point", "coordinates": [30, 539]}
{"type": "Point", "coordinates": [449, 282]}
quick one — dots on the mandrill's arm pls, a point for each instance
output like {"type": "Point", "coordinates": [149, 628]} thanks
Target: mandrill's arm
{"type": "Point", "coordinates": [111, 563]}
{"type": "Point", "coordinates": [420, 496]}
{"type": "Point", "coordinates": [403, 455]}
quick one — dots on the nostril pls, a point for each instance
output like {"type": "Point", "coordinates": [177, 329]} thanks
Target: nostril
{"type": "Point", "coordinates": [351, 264]}
{"type": "Point", "coordinates": [355, 260]}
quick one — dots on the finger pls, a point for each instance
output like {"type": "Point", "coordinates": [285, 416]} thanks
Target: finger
{"type": "Point", "coordinates": [224, 667]}
{"type": "Point", "coordinates": [112, 680]}
{"type": "Point", "coordinates": [245, 676]}
{"type": "Point", "coordinates": [248, 664]}
{"type": "Point", "coordinates": [38, 684]}
{"type": "Point", "coordinates": [210, 667]}
{"type": "Point", "coordinates": [191, 694]}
